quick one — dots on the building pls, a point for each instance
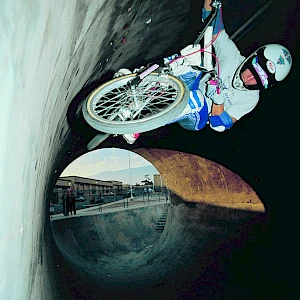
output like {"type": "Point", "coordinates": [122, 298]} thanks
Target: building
{"type": "Point", "coordinates": [90, 189]}
{"type": "Point", "coordinates": [158, 183]}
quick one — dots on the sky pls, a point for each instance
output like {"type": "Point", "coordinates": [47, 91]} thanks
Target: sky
{"type": "Point", "coordinates": [101, 160]}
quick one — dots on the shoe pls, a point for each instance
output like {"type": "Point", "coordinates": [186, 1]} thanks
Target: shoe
{"type": "Point", "coordinates": [122, 72]}
{"type": "Point", "coordinates": [130, 138]}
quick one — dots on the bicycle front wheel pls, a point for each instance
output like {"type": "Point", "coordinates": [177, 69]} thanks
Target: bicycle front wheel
{"type": "Point", "coordinates": [117, 109]}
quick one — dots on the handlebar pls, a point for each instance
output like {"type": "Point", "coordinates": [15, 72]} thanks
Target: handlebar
{"type": "Point", "coordinates": [139, 77]}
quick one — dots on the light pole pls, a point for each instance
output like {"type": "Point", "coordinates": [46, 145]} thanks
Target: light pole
{"type": "Point", "coordinates": [131, 196]}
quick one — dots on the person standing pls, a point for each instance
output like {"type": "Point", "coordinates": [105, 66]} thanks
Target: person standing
{"type": "Point", "coordinates": [72, 202]}
{"type": "Point", "coordinates": [68, 201]}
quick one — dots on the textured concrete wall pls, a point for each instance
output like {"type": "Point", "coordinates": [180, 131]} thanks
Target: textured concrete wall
{"type": "Point", "coordinates": [49, 50]}
{"type": "Point", "coordinates": [45, 60]}
{"type": "Point", "coordinates": [197, 179]}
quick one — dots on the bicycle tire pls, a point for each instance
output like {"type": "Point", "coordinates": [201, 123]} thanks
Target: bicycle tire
{"type": "Point", "coordinates": [105, 101]}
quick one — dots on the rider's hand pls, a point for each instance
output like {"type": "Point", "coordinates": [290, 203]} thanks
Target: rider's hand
{"type": "Point", "coordinates": [192, 55]}
{"type": "Point", "coordinates": [211, 92]}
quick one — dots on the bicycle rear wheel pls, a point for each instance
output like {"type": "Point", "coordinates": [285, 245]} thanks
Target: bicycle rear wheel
{"type": "Point", "coordinates": [114, 108]}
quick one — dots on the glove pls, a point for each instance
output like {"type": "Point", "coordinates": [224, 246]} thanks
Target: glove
{"type": "Point", "coordinates": [192, 55]}
{"type": "Point", "coordinates": [211, 92]}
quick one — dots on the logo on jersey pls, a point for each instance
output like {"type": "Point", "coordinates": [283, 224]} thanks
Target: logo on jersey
{"type": "Point", "coordinates": [260, 71]}
{"type": "Point", "coordinates": [271, 67]}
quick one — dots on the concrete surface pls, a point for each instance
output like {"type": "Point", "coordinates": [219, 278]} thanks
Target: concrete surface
{"type": "Point", "coordinates": [204, 252]}
{"type": "Point", "coordinates": [197, 179]}
{"type": "Point", "coordinates": [54, 53]}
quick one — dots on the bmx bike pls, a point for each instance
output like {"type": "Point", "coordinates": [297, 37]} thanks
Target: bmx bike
{"type": "Point", "coordinates": [147, 99]}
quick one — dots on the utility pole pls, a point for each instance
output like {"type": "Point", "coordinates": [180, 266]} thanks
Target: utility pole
{"type": "Point", "coordinates": [131, 195]}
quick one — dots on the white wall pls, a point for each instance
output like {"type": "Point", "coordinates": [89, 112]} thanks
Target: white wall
{"type": "Point", "coordinates": [41, 47]}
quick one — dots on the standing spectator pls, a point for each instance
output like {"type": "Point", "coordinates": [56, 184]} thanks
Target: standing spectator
{"type": "Point", "coordinates": [52, 210]}
{"type": "Point", "coordinates": [72, 202]}
{"type": "Point", "coordinates": [68, 201]}
{"type": "Point", "coordinates": [63, 198]}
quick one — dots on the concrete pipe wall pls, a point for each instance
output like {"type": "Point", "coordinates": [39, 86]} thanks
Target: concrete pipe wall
{"type": "Point", "coordinates": [50, 53]}
{"type": "Point", "coordinates": [196, 179]}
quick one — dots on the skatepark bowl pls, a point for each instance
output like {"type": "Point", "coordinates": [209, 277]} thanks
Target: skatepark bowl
{"type": "Point", "coordinates": [207, 246]}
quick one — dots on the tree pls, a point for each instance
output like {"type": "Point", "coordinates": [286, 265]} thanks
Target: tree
{"type": "Point", "coordinates": [147, 180]}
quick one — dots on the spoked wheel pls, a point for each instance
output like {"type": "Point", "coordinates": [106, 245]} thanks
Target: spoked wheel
{"type": "Point", "coordinates": [117, 109]}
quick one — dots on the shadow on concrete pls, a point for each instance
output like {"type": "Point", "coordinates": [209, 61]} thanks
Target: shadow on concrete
{"type": "Point", "coordinates": [204, 252]}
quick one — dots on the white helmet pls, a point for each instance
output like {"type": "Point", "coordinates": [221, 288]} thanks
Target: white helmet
{"type": "Point", "coordinates": [269, 65]}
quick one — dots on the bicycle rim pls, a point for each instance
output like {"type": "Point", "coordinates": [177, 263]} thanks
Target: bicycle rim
{"type": "Point", "coordinates": [159, 99]}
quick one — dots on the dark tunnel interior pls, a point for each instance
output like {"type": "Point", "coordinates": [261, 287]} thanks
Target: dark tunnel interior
{"type": "Point", "coordinates": [207, 250]}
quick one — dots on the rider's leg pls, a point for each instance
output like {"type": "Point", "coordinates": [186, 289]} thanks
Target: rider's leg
{"type": "Point", "coordinates": [195, 121]}
{"type": "Point", "coordinates": [195, 114]}
{"type": "Point", "coordinates": [196, 99]}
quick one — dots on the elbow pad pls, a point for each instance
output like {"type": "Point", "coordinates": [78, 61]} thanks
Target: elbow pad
{"type": "Point", "coordinates": [217, 23]}
{"type": "Point", "coordinates": [221, 122]}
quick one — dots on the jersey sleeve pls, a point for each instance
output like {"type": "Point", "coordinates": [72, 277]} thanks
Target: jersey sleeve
{"type": "Point", "coordinates": [225, 48]}
{"type": "Point", "coordinates": [246, 103]}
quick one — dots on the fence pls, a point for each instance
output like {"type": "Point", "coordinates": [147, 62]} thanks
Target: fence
{"type": "Point", "coordinates": [86, 199]}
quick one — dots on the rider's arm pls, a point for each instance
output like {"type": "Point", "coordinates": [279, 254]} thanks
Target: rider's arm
{"type": "Point", "coordinates": [219, 119]}
{"type": "Point", "coordinates": [218, 23]}
{"type": "Point", "coordinates": [207, 5]}
{"type": "Point", "coordinates": [216, 110]}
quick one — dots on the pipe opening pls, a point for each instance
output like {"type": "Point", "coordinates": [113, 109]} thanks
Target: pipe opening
{"type": "Point", "coordinates": [203, 247]}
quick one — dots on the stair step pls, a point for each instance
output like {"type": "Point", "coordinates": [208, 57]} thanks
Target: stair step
{"type": "Point", "coordinates": [161, 223]}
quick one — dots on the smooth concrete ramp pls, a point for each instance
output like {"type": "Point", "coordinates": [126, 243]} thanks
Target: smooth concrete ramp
{"type": "Point", "coordinates": [204, 252]}
{"type": "Point", "coordinates": [106, 235]}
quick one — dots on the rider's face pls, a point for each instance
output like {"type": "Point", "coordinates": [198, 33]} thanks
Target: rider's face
{"type": "Point", "coordinates": [248, 78]}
